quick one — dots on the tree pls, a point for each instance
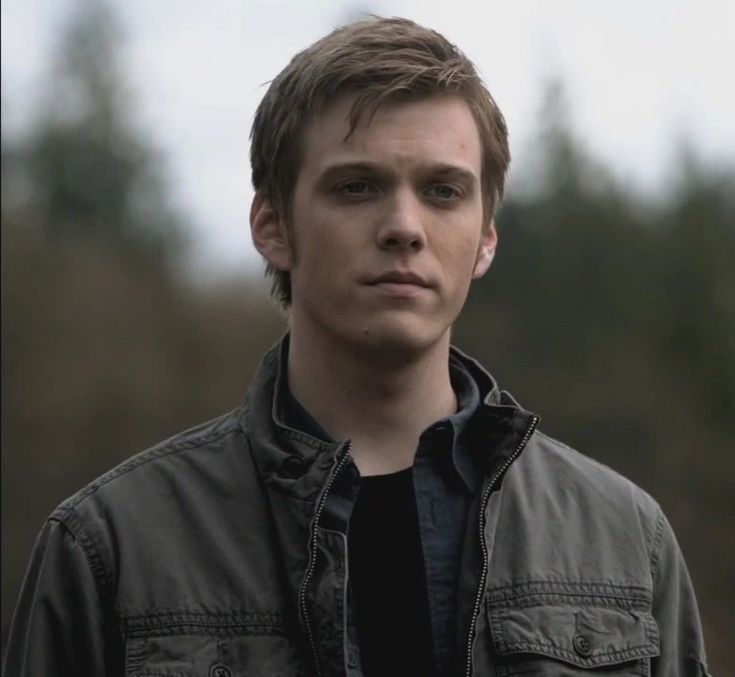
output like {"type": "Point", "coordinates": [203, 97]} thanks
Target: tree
{"type": "Point", "coordinates": [94, 334]}
{"type": "Point", "coordinates": [92, 174]}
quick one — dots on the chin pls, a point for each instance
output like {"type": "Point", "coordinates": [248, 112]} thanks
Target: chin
{"type": "Point", "coordinates": [397, 339]}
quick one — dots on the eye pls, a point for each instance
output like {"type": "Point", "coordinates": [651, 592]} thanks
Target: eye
{"type": "Point", "coordinates": [444, 192]}
{"type": "Point", "coordinates": [355, 189]}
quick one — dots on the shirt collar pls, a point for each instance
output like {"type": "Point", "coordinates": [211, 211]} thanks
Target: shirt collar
{"type": "Point", "coordinates": [449, 437]}
{"type": "Point", "coordinates": [296, 416]}
{"type": "Point", "coordinates": [465, 388]}
{"type": "Point", "coordinates": [452, 440]}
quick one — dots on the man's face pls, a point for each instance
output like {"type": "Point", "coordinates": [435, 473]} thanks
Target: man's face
{"type": "Point", "coordinates": [387, 227]}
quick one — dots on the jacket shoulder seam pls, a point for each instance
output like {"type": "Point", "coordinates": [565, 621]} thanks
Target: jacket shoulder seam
{"type": "Point", "coordinates": [654, 516]}
{"type": "Point", "coordinates": [100, 573]}
{"type": "Point", "coordinates": [657, 544]}
{"type": "Point", "coordinates": [159, 451]}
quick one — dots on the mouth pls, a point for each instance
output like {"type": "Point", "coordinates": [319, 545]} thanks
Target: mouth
{"type": "Point", "coordinates": [400, 278]}
{"type": "Point", "coordinates": [400, 284]}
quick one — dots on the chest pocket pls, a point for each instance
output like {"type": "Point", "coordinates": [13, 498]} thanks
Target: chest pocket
{"type": "Point", "coordinates": [212, 650]}
{"type": "Point", "coordinates": [572, 640]}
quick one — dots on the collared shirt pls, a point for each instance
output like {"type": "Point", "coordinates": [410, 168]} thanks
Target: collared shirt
{"type": "Point", "coordinates": [445, 476]}
{"type": "Point", "coordinates": [581, 558]}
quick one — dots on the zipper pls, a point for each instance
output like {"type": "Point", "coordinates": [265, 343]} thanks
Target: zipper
{"type": "Point", "coordinates": [312, 554]}
{"type": "Point", "coordinates": [485, 559]}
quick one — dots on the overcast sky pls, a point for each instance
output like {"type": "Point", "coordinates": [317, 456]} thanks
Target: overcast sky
{"type": "Point", "coordinates": [639, 75]}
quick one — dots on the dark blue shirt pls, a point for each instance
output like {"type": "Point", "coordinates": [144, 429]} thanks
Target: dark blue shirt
{"type": "Point", "coordinates": [446, 474]}
{"type": "Point", "coordinates": [409, 566]}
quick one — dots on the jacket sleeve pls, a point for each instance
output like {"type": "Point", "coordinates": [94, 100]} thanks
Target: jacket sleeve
{"type": "Point", "coordinates": [58, 626]}
{"type": "Point", "coordinates": [675, 609]}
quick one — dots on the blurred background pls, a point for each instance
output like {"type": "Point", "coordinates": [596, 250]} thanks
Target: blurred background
{"type": "Point", "coordinates": [133, 304]}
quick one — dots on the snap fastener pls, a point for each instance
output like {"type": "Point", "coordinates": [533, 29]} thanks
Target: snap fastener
{"type": "Point", "coordinates": [293, 467]}
{"type": "Point", "coordinates": [219, 670]}
{"type": "Point", "coordinates": [582, 645]}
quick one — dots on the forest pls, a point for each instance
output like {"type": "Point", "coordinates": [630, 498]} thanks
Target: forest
{"type": "Point", "coordinates": [609, 311]}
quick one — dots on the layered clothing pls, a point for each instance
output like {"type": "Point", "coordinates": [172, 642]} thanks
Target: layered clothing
{"type": "Point", "coordinates": [224, 551]}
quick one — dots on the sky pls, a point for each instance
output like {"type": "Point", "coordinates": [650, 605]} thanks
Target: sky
{"type": "Point", "coordinates": [639, 75]}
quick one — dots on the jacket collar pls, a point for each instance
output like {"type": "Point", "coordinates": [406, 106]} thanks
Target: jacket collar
{"type": "Point", "coordinates": [289, 460]}
{"type": "Point", "coordinates": [298, 464]}
{"type": "Point", "coordinates": [295, 468]}
{"type": "Point", "coordinates": [500, 423]}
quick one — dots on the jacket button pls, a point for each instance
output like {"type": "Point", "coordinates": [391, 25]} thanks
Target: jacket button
{"type": "Point", "coordinates": [582, 645]}
{"type": "Point", "coordinates": [293, 467]}
{"type": "Point", "coordinates": [219, 670]}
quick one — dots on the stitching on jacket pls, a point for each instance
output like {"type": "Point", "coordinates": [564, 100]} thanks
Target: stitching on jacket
{"type": "Point", "coordinates": [532, 593]}
{"type": "Point", "coordinates": [657, 543]}
{"type": "Point", "coordinates": [72, 523]}
{"type": "Point", "coordinates": [198, 622]}
{"type": "Point", "coordinates": [612, 595]}
{"type": "Point", "coordinates": [599, 659]}
{"type": "Point", "coordinates": [236, 616]}
{"type": "Point", "coordinates": [206, 630]}
{"type": "Point", "coordinates": [156, 452]}
{"type": "Point", "coordinates": [134, 656]}
{"type": "Point", "coordinates": [497, 625]}
{"type": "Point", "coordinates": [303, 438]}
{"type": "Point", "coordinates": [650, 627]}
{"type": "Point", "coordinates": [262, 483]}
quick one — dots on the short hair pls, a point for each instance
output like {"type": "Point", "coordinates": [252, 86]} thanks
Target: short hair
{"type": "Point", "coordinates": [379, 59]}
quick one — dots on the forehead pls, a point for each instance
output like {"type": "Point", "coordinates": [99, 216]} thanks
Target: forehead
{"type": "Point", "coordinates": [435, 129]}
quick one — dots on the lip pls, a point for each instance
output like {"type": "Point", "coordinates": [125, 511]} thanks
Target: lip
{"type": "Point", "coordinates": [399, 284]}
{"type": "Point", "coordinates": [399, 289]}
{"type": "Point", "coordinates": [397, 277]}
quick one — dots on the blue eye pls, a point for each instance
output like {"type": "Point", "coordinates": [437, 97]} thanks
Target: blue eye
{"type": "Point", "coordinates": [444, 191]}
{"type": "Point", "coordinates": [355, 188]}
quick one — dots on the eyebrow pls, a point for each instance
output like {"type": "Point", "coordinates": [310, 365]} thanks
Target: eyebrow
{"type": "Point", "coordinates": [338, 168]}
{"type": "Point", "coordinates": [443, 170]}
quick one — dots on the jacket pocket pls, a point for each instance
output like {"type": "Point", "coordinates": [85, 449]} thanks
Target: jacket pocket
{"type": "Point", "coordinates": [203, 656]}
{"type": "Point", "coordinates": [572, 639]}
{"type": "Point", "coordinates": [208, 645]}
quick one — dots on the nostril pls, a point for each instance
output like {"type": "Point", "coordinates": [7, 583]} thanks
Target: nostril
{"type": "Point", "coordinates": [401, 241]}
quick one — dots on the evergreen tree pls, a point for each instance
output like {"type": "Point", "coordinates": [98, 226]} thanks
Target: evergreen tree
{"type": "Point", "coordinates": [93, 176]}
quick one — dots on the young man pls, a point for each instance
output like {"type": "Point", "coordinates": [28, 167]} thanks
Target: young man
{"type": "Point", "coordinates": [377, 506]}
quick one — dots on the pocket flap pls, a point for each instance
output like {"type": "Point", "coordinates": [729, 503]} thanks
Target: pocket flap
{"type": "Point", "coordinates": [584, 636]}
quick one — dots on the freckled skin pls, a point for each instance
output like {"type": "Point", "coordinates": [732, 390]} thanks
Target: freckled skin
{"type": "Point", "coordinates": [403, 211]}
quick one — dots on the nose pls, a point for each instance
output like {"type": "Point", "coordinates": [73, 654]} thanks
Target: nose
{"type": "Point", "coordinates": [401, 226]}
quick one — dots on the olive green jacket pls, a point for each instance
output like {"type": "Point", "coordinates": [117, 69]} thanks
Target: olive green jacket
{"type": "Point", "coordinates": [207, 555]}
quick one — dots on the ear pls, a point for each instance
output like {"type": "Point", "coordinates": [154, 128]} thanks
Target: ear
{"type": "Point", "coordinates": [269, 233]}
{"type": "Point", "coordinates": [486, 251]}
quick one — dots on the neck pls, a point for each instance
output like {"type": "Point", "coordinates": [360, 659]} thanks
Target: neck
{"type": "Point", "coordinates": [381, 405]}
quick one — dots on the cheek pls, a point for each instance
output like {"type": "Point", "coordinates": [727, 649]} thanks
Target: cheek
{"type": "Point", "coordinates": [457, 258]}
{"type": "Point", "coordinates": [334, 240]}
{"type": "Point", "coordinates": [323, 253]}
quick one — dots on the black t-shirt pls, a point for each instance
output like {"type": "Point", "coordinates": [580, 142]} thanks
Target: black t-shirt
{"type": "Point", "coordinates": [386, 568]}
{"type": "Point", "coordinates": [400, 525]}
